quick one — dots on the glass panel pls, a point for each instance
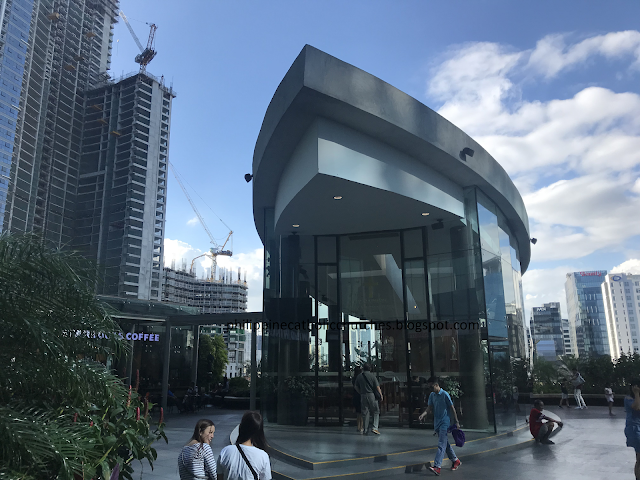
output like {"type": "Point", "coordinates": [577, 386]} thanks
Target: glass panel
{"type": "Point", "coordinates": [329, 346]}
{"type": "Point", "coordinates": [371, 290]}
{"type": "Point", "coordinates": [413, 244]}
{"type": "Point", "coordinates": [371, 276]}
{"type": "Point", "coordinates": [327, 250]}
{"type": "Point", "coordinates": [419, 340]}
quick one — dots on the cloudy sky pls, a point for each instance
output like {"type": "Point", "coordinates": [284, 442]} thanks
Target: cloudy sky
{"type": "Point", "coordinates": [551, 89]}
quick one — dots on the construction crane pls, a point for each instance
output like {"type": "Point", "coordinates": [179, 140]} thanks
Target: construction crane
{"type": "Point", "coordinates": [146, 54]}
{"type": "Point", "coordinates": [216, 249]}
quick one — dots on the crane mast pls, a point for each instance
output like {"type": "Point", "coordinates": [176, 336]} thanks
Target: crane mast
{"type": "Point", "coordinates": [216, 249]}
{"type": "Point", "coordinates": [146, 54]}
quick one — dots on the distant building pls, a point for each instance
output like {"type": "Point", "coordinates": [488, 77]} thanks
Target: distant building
{"type": "Point", "coordinates": [546, 331]}
{"type": "Point", "coordinates": [222, 295]}
{"type": "Point", "coordinates": [566, 337]}
{"type": "Point", "coordinates": [587, 313]}
{"type": "Point", "coordinates": [621, 293]}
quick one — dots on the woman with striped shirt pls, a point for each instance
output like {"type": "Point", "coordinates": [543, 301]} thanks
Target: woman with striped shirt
{"type": "Point", "coordinates": [196, 460]}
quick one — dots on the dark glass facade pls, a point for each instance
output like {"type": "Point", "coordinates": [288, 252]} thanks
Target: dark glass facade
{"type": "Point", "coordinates": [443, 299]}
{"type": "Point", "coordinates": [586, 311]}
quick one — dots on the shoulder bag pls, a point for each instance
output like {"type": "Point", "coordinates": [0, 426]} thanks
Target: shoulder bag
{"type": "Point", "coordinates": [244, 457]}
{"type": "Point", "coordinates": [375, 390]}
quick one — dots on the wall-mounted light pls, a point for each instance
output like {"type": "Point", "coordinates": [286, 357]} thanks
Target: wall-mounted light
{"type": "Point", "coordinates": [466, 152]}
{"type": "Point", "coordinates": [438, 225]}
{"type": "Point", "coordinates": [337, 197]}
{"type": "Point", "coordinates": [295, 225]}
{"type": "Point", "coordinates": [425, 214]}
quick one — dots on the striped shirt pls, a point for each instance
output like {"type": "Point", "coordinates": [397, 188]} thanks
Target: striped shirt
{"type": "Point", "coordinates": [196, 462]}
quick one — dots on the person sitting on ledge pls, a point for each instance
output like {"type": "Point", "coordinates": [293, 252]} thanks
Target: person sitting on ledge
{"type": "Point", "coordinates": [540, 425]}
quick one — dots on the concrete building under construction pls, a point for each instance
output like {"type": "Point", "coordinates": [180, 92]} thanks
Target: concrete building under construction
{"type": "Point", "coordinates": [222, 295]}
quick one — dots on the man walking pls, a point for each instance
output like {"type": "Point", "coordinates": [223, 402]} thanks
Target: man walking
{"type": "Point", "coordinates": [367, 386]}
{"type": "Point", "coordinates": [578, 382]}
{"type": "Point", "coordinates": [441, 404]}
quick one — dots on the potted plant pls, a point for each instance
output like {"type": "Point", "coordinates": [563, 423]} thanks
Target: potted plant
{"type": "Point", "coordinates": [299, 390]}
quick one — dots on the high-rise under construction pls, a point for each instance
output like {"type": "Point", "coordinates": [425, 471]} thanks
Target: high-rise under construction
{"type": "Point", "coordinates": [82, 158]}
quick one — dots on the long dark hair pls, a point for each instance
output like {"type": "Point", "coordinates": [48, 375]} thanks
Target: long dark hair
{"type": "Point", "coordinates": [252, 428]}
{"type": "Point", "coordinates": [201, 426]}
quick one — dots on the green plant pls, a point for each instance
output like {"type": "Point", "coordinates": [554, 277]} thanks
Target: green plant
{"type": "Point", "coordinates": [299, 386]}
{"type": "Point", "coordinates": [212, 360]}
{"type": "Point", "coordinates": [62, 414]}
{"type": "Point", "coordinates": [452, 386]}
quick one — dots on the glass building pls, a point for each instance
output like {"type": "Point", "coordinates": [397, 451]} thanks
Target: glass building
{"type": "Point", "coordinates": [547, 331]}
{"type": "Point", "coordinates": [587, 313]}
{"type": "Point", "coordinates": [390, 237]}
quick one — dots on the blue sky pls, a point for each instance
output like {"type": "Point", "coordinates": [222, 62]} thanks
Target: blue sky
{"type": "Point", "coordinates": [551, 89]}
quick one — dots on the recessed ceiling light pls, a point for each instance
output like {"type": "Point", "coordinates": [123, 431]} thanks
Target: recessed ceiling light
{"type": "Point", "coordinates": [337, 197]}
{"type": "Point", "coordinates": [296, 226]}
{"type": "Point", "coordinates": [425, 214]}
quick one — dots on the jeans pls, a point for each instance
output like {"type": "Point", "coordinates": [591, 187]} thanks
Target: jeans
{"type": "Point", "coordinates": [370, 405]}
{"type": "Point", "coordinates": [577, 393]}
{"type": "Point", "coordinates": [444, 445]}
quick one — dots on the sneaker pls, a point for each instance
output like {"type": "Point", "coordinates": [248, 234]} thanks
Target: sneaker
{"type": "Point", "coordinates": [435, 470]}
{"type": "Point", "coordinates": [577, 408]}
{"type": "Point", "coordinates": [547, 442]}
{"type": "Point", "coordinates": [560, 406]}
{"type": "Point", "coordinates": [375, 431]}
{"type": "Point", "coordinates": [361, 432]}
{"type": "Point", "coordinates": [456, 464]}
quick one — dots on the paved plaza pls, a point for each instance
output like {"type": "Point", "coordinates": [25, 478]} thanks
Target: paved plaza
{"type": "Point", "coordinates": [590, 446]}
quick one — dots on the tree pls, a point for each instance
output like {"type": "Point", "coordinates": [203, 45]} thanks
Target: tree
{"type": "Point", "coordinates": [212, 360]}
{"type": "Point", "coordinates": [62, 414]}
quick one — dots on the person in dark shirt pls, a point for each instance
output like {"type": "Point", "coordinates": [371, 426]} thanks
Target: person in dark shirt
{"type": "Point", "coordinates": [565, 395]}
{"type": "Point", "coordinates": [540, 425]}
{"type": "Point", "coordinates": [632, 424]}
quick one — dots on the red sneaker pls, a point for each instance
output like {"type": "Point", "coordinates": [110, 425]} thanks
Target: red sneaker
{"type": "Point", "coordinates": [435, 470]}
{"type": "Point", "coordinates": [456, 464]}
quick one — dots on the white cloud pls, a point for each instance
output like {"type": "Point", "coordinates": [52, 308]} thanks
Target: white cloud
{"type": "Point", "coordinates": [575, 159]}
{"type": "Point", "coordinates": [552, 55]}
{"type": "Point", "coordinates": [193, 221]}
{"type": "Point", "coordinates": [630, 266]}
{"type": "Point", "coordinates": [251, 264]}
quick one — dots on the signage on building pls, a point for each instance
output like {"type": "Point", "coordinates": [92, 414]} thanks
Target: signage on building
{"type": "Point", "coordinates": [616, 278]}
{"type": "Point", "coordinates": [592, 274]}
{"type": "Point", "coordinates": [148, 337]}
{"type": "Point", "coordinates": [541, 309]}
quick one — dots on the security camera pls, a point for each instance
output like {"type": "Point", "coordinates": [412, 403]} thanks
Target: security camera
{"type": "Point", "coordinates": [248, 177]}
{"type": "Point", "coordinates": [534, 240]}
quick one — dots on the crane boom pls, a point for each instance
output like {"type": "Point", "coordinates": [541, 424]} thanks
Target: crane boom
{"type": "Point", "coordinates": [133, 34]}
{"type": "Point", "coordinates": [193, 205]}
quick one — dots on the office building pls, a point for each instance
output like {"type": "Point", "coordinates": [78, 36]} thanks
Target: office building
{"type": "Point", "coordinates": [546, 331]}
{"type": "Point", "coordinates": [621, 293]}
{"type": "Point", "coordinates": [376, 211]}
{"type": "Point", "coordinates": [566, 337]}
{"type": "Point", "coordinates": [586, 313]}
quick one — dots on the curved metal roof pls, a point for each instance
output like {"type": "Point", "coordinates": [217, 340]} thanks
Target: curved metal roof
{"type": "Point", "coordinates": [319, 85]}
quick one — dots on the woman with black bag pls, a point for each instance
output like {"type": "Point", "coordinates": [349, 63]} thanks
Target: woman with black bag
{"type": "Point", "coordinates": [247, 459]}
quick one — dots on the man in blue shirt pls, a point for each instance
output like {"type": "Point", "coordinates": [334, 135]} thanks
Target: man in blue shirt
{"type": "Point", "coordinates": [441, 404]}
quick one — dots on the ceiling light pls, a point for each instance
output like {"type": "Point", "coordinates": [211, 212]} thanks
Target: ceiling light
{"type": "Point", "coordinates": [295, 226]}
{"type": "Point", "coordinates": [337, 197]}
{"type": "Point", "coordinates": [425, 214]}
